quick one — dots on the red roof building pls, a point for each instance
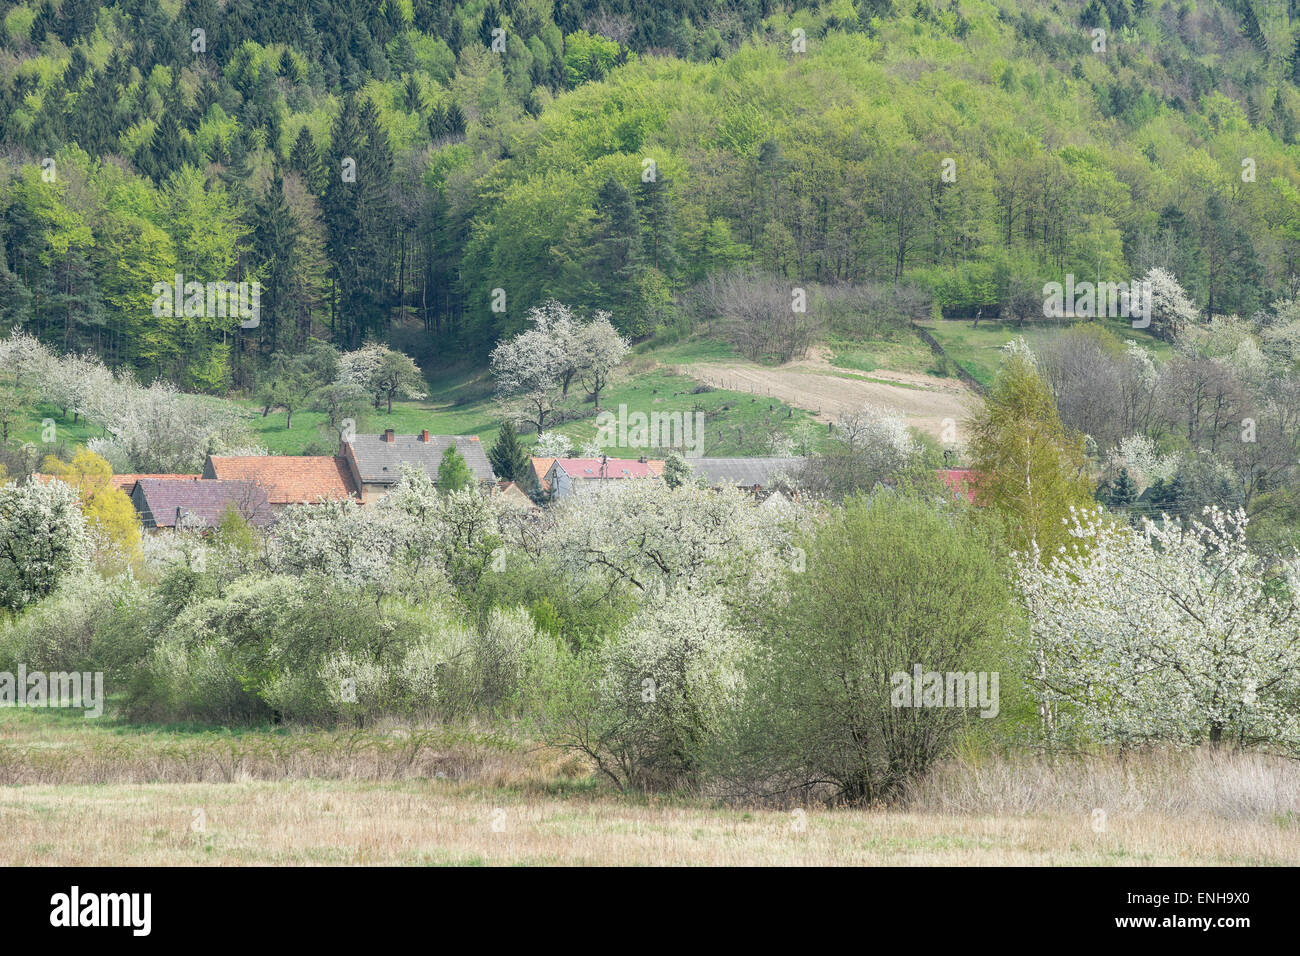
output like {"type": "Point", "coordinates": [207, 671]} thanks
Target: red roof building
{"type": "Point", "coordinates": [961, 481]}
{"type": "Point", "coordinates": [287, 479]}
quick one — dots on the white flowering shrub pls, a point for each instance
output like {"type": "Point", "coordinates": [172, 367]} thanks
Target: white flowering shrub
{"type": "Point", "coordinates": [1282, 341]}
{"type": "Point", "coordinates": [647, 706]}
{"type": "Point", "coordinates": [1140, 455]}
{"type": "Point", "coordinates": [148, 429]}
{"type": "Point", "coordinates": [1019, 348]}
{"type": "Point", "coordinates": [382, 373]}
{"type": "Point", "coordinates": [867, 447]}
{"type": "Point", "coordinates": [502, 645]}
{"type": "Point", "coordinates": [60, 632]}
{"type": "Point", "coordinates": [339, 541]}
{"type": "Point", "coordinates": [644, 535]}
{"type": "Point", "coordinates": [43, 539]}
{"type": "Point", "coordinates": [412, 542]}
{"type": "Point", "coordinates": [1173, 633]}
{"type": "Point", "coordinates": [1171, 309]}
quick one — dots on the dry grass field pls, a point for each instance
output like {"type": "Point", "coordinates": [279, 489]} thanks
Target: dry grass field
{"type": "Point", "coordinates": [305, 822]}
{"type": "Point", "coordinates": [92, 793]}
{"type": "Point", "coordinates": [813, 384]}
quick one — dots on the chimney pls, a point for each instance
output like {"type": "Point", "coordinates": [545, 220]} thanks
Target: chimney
{"type": "Point", "coordinates": [424, 436]}
{"type": "Point", "coordinates": [389, 435]}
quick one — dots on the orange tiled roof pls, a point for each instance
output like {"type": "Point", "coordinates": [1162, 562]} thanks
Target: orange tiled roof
{"type": "Point", "coordinates": [540, 467]}
{"type": "Point", "coordinates": [287, 479]}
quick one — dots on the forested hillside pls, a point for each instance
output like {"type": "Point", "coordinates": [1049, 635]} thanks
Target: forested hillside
{"type": "Point", "coordinates": [384, 169]}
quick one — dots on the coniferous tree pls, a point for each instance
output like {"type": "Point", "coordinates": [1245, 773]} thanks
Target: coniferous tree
{"type": "Point", "coordinates": [304, 159]}
{"type": "Point", "coordinates": [616, 245]}
{"type": "Point", "coordinates": [509, 460]}
{"type": "Point", "coordinates": [275, 241]}
{"type": "Point", "coordinates": [340, 207]}
{"type": "Point", "coordinates": [655, 205]}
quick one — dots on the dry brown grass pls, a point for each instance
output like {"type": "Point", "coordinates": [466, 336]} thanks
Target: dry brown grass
{"type": "Point", "coordinates": [437, 822]}
{"type": "Point", "coordinates": [92, 793]}
{"type": "Point", "coordinates": [1224, 784]}
{"type": "Point", "coordinates": [73, 757]}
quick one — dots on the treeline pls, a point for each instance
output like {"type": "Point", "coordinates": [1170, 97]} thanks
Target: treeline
{"type": "Point", "coordinates": [426, 172]}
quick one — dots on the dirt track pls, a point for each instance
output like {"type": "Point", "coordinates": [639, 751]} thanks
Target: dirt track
{"type": "Point", "coordinates": [828, 392]}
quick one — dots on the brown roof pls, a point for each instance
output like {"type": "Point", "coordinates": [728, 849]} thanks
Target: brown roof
{"type": "Point", "coordinates": [287, 479]}
{"type": "Point", "coordinates": [540, 467]}
{"type": "Point", "coordinates": [161, 501]}
{"type": "Point", "coordinates": [514, 495]}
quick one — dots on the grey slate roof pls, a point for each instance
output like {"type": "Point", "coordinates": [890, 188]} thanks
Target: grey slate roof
{"type": "Point", "coordinates": [157, 500]}
{"type": "Point", "coordinates": [743, 472]}
{"type": "Point", "coordinates": [379, 462]}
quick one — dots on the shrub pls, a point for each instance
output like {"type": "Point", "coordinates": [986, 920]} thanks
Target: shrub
{"type": "Point", "coordinates": [59, 633]}
{"type": "Point", "coordinates": [646, 707]}
{"type": "Point", "coordinates": [890, 582]}
{"type": "Point", "coordinates": [43, 539]}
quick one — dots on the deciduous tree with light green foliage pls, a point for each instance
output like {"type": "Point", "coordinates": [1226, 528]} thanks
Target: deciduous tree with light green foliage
{"type": "Point", "coordinates": [888, 583]}
{"type": "Point", "coordinates": [1028, 467]}
{"type": "Point", "coordinates": [453, 471]}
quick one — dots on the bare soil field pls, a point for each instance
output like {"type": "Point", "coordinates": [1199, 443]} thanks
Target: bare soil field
{"type": "Point", "coordinates": [828, 392]}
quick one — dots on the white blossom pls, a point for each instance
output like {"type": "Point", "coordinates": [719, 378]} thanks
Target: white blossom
{"type": "Point", "coordinates": [1169, 632]}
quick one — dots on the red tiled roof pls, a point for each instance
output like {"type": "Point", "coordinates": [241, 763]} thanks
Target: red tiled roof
{"type": "Point", "coordinates": [287, 479]}
{"type": "Point", "coordinates": [595, 469]}
{"type": "Point", "coordinates": [961, 481]}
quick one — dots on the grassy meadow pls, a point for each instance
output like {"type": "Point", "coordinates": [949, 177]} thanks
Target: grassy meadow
{"type": "Point", "coordinates": [461, 402]}
{"type": "Point", "coordinates": [977, 349]}
{"type": "Point", "coordinates": [104, 792]}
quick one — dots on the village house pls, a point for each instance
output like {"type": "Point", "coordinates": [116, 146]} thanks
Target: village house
{"type": "Point", "coordinates": [540, 467]}
{"type": "Point", "coordinates": [287, 479]}
{"type": "Point", "coordinates": [375, 462]}
{"type": "Point", "coordinates": [510, 493]}
{"type": "Point", "coordinates": [567, 476]}
{"type": "Point", "coordinates": [755, 475]}
{"type": "Point", "coordinates": [165, 503]}
{"type": "Point", "coordinates": [960, 481]}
